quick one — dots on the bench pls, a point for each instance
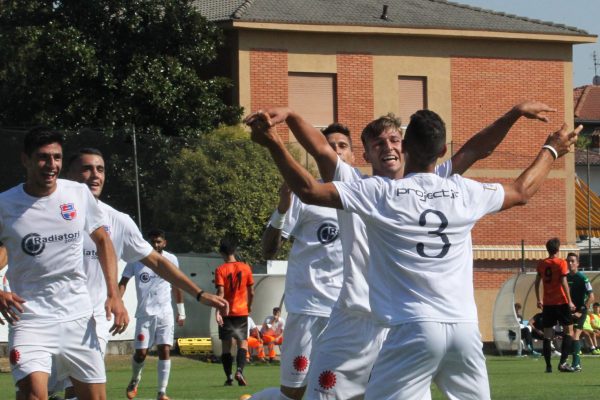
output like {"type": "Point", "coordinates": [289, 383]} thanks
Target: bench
{"type": "Point", "coordinates": [192, 346]}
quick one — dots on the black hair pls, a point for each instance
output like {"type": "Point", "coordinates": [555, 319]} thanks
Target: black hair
{"type": "Point", "coordinates": [40, 136]}
{"type": "Point", "coordinates": [227, 246]}
{"type": "Point", "coordinates": [573, 255]}
{"type": "Point", "coordinates": [276, 310]}
{"type": "Point", "coordinates": [336, 127]}
{"type": "Point", "coordinates": [553, 246]}
{"type": "Point", "coordinates": [81, 152]}
{"type": "Point", "coordinates": [157, 233]}
{"type": "Point", "coordinates": [425, 137]}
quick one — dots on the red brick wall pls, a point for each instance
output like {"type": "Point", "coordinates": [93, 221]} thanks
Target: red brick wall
{"type": "Point", "coordinates": [482, 90]}
{"type": "Point", "coordinates": [269, 81]}
{"type": "Point", "coordinates": [355, 100]}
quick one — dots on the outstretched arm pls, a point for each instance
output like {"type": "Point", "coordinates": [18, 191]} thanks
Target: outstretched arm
{"type": "Point", "coordinates": [170, 273]}
{"type": "Point", "coordinates": [485, 142]}
{"type": "Point", "coordinates": [306, 187]}
{"type": "Point", "coordinates": [308, 136]}
{"type": "Point", "coordinates": [524, 187]}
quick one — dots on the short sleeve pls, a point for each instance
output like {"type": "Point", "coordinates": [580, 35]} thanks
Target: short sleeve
{"type": "Point", "coordinates": [360, 196]}
{"type": "Point", "coordinates": [128, 272]}
{"type": "Point", "coordinates": [135, 247]}
{"type": "Point", "coordinates": [219, 277]}
{"type": "Point", "coordinates": [94, 217]}
{"type": "Point", "coordinates": [250, 279]}
{"type": "Point", "coordinates": [564, 268]}
{"type": "Point", "coordinates": [482, 198]}
{"type": "Point", "coordinates": [292, 217]}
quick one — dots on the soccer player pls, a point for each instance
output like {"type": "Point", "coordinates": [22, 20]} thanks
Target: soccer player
{"type": "Point", "coordinates": [43, 223]}
{"type": "Point", "coordinates": [420, 254]}
{"type": "Point", "coordinates": [87, 166]}
{"type": "Point", "coordinates": [154, 315]}
{"type": "Point", "coordinates": [315, 270]}
{"type": "Point", "coordinates": [556, 305]}
{"type": "Point", "coordinates": [582, 295]}
{"type": "Point", "coordinates": [342, 356]}
{"type": "Point", "coordinates": [235, 283]}
{"type": "Point", "coordinates": [272, 331]}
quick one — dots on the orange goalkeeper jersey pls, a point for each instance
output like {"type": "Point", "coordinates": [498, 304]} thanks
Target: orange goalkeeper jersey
{"type": "Point", "coordinates": [235, 277]}
{"type": "Point", "coordinates": [552, 270]}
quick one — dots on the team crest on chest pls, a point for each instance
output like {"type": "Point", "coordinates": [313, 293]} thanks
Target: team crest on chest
{"type": "Point", "coordinates": [145, 277]}
{"type": "Point", "coordinates": [327, 233]}
{"type": "Point", "coordinates": [68, 211]}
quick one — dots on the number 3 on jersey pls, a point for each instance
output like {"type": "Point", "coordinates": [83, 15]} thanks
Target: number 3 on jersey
{"type": "Point", "coordinates": [438, 232]}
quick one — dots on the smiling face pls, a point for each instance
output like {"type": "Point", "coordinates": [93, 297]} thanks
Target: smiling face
{"type": "Point", "coordinates": [384, 152]}
{"type": "Point", "coordinates": [43, 167]}
{"type": "Point", "coordinates": [89, 169]}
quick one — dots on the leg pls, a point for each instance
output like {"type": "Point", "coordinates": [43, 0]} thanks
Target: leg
{"type": "Point", "coordinates": [137, 365]}
{"type": "Point", "coordinates": [89, 391]}
{"type": "Point", "coordinates": [227, 360]}
{"type": "Point", "coordinates": [240, 361]}
{"type": "Point", "coordinates": [567, 345]}
{"type": "Point", "coordinates": [33, 386]}
{"type": "Point", "coordinates": [548, 335]}
{"type": "Point", "coordinates": [164, 369]}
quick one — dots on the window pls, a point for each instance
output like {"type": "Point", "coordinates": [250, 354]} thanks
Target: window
{"type": "Point", "coordinates": [413, 96]}
{"type": "Point", "coordinates": [313, 96]}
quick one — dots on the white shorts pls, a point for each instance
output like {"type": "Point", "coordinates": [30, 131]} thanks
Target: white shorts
{"type": "Point", "coordinates": [344, 356]}
{"type": "Point", "coordinates": [415, 354]}
{"type": "Point", "coordinates": [102, 331]}
{"type": "Point", "coordinates": [153, 330]}
{"type": "Point", "coordinates": [300, 333]}
{"type": "Point", "coordinates": [71, 346]}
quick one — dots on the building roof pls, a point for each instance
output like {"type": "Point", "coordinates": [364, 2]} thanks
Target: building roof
{"type": "Point", "coordinates": [581, 210]}
{"type": "Point", "coordinates": [581, 157]}
{"type": "Point", "coordinates": [587, 103]}
{"type": "Point", "coordinates": [431, 14]}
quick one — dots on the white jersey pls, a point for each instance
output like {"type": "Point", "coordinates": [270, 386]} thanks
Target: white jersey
{"type": "Point", "coordinates": [44, 239]}
{"type": "Point", "coordinates": [276, 327]}
{"type": "Point", "coordinates": [251, 325]}
{"type": "Point", "coordinates": [355, 290]}
{"type": "Point", "coordinates": [129, 245]}
{"type": "Point", "coordinates": [153, 292]}
{"type": "Point", "coordinates": [419, 230]}
{"type": "Point", "coordinates": [314, 274]}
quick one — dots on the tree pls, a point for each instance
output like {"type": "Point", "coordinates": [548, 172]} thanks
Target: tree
{"type": "Point", "coordinates": [226, 185]}
{"type": "Point", "coordinates": [110, 63]}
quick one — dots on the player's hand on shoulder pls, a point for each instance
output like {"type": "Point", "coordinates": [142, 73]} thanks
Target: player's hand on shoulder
{"type": "Point", "coordinates": [10, 307]}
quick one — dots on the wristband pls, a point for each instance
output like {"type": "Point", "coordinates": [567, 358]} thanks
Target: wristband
{"type": "Point", "coordinates": [551, 149]}
{"type": "Point", "coordinates": [277, 220]}
{"type": "Point", "coordinates": [199, 295]}
{"type": "Point", "coordinates": [181, 310]}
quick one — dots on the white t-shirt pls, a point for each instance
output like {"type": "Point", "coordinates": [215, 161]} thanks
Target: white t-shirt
{"type": "Point", "coordinates": [355, 290]}
{"type": "Point", "coordinates": [153, 292]}
{"type": "Point", "coordinates": [251, 325]}
{"type": "Point", "coordinates": [314, 274]}
{"type": "Point", "coordinates": [129, 245]}
{"type": "Point", "coordinates": [44, 239]}
{"type": "Point", "coordinates": [419, 230]}
{"type": "Point", "coordinates": [276, 327]}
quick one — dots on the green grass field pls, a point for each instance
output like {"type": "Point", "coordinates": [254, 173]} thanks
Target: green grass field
{"type": "Point", "coordinates": [510, 378]}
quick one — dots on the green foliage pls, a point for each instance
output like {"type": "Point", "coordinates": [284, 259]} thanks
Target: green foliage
{"type": "Point", "coordinates": [225, 185]}
{"type": "Point", "coordinates": [110, 63]}
{"type": "Point", "coordinates": [583, 142]}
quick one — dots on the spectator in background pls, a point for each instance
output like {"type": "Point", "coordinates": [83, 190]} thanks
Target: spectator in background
{"type": "Point", "coordinates": [525, 331]}
{"type": "Point", "coordinates": [272, 331]}
{"type": "Point", "coordinates": [235, 283]}
{"type": "Point", "coordinates": [255, 341]}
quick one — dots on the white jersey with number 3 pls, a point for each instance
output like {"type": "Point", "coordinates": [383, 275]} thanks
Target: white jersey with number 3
{"type": "Point", "coordinates": [355, 290]}
{"type": "Point", "coordinates": [419, 230]}
{"type": "Point", "coordinates": [44, 239]}
{"type": "Point", "coordinates": [129, 246]}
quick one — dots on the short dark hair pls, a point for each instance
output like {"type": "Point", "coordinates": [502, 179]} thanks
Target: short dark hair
{"type": "Point", "coordinates": [425, 137]}
{"type": "Point", "coordinates": [596, 304]}
{"type": "Point", "coordinates": [336, 127]}
{"type": "Point", "coordinates": [379, 125]}
{"type": "Point", "coordinates": [276, 310]}
{"type": "Point", "coordinates": [573, 255]}
{"type": "Point", "coordinates": [553, 245]}
{"type": "Point", "coordinates": [227, 246]}
{"type": "Point", "coordinates": [81, 152]}
{"type": "Point", "coordinates": [40, 136]}
{"type": "Point", "coordinates": [157, 233]}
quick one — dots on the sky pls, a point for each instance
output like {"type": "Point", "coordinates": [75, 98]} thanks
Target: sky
{"type": "Point", "coordinates": [582, 14]}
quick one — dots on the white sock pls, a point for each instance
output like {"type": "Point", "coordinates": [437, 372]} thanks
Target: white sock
{"type": "Point", "coordinates": [164, 369]}
{"type": "Point", "coordinates": [271, 393]}
{"type": "Point", "coordinates": [136, 369]}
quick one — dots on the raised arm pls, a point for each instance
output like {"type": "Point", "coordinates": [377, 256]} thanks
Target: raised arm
{"type": "Point", "coordinates": [271, 239]}
{"type": "Point", "coordinates": [309, 137]}
{"type": "Point", "coordinates": [306, 187]}
{"type": "Point", "coordinates": [520, 191]}
{"type": "Point", "coordinates": [485, 142]}
{"type": "Point", "coordinates": [170, 273]}
{"type": "Point", "coordinates": [108, 262]}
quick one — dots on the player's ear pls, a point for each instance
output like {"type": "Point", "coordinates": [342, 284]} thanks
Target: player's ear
{"type": "Point", "coordinates": [443, 151]}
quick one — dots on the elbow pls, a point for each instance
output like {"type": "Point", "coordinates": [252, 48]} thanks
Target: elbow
{"type": "Point", "coordinates": [307, 196]}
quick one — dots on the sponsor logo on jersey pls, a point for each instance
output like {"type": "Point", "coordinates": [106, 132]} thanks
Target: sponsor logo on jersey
{"type": "Point", "coordinates": [145, 277]}
{"type": "Point", "coordinates": [91, 254]}
{"type": "Point", "coordinates": [327, 380]}
{"type": "Point", "coordinates": [68, 211]}
{"type": "Point", "coordinates": [14, 356]}
{"type": "Point", "coordinates": [423, 196]}
{"type": "Point", "coordinates": [300, 363]}
{"type": "Point", "coordinates": [327, 233]}
{"type": "Point", "coordinates": [34, 243]}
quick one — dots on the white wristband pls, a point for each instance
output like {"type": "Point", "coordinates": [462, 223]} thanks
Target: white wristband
{"type": "Point", "coordinates": [181, 310]}
{"type": "Point", "coordinates": [277, 220]}
{"type": "Point", "coordinates": [552, 150]}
